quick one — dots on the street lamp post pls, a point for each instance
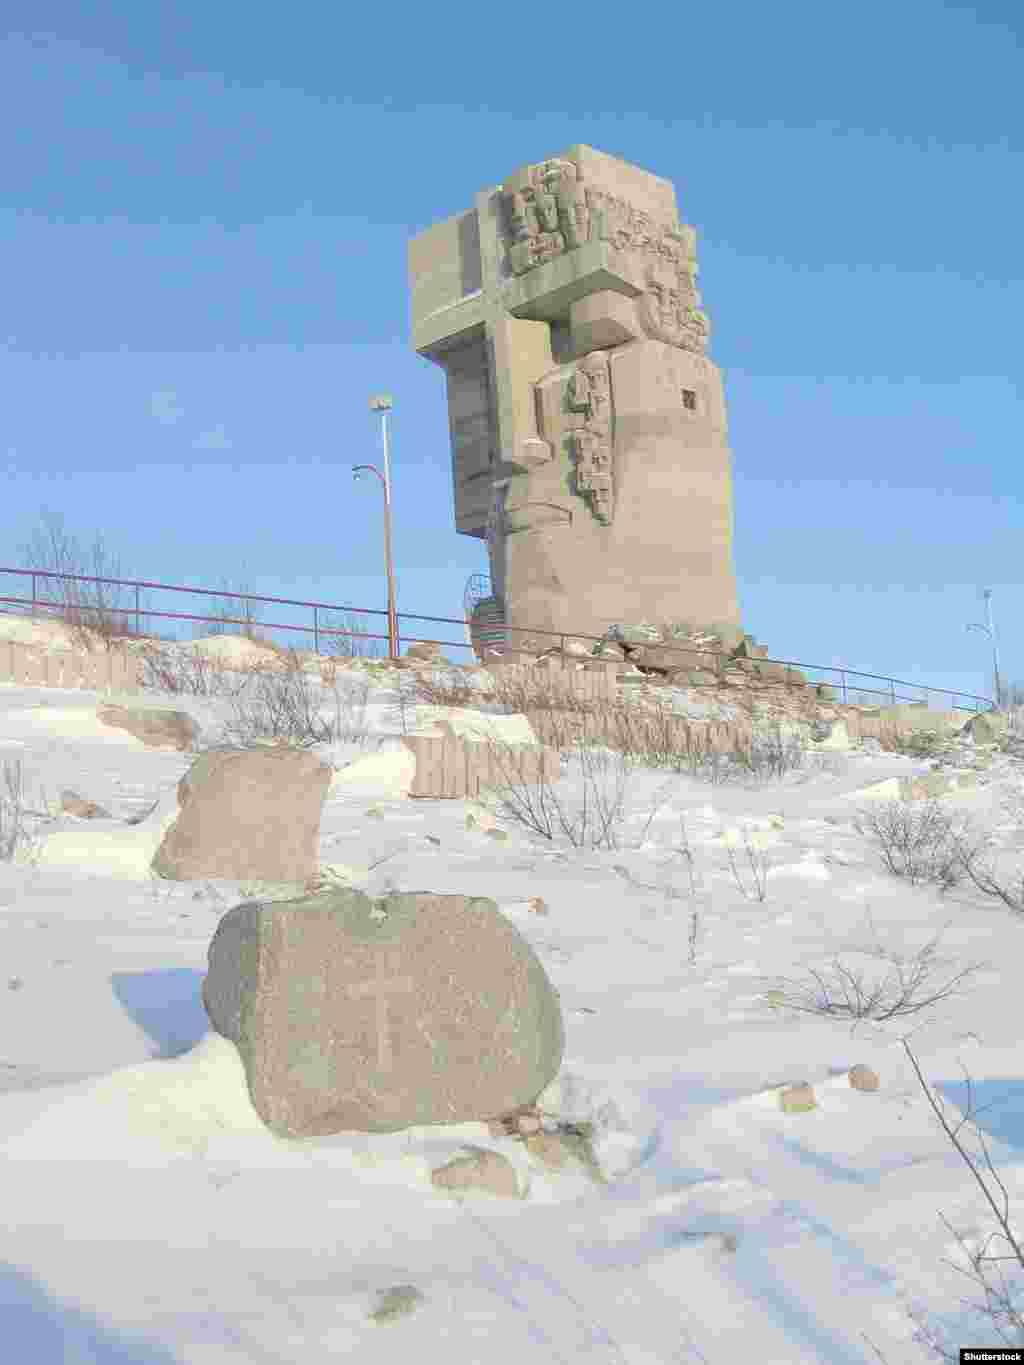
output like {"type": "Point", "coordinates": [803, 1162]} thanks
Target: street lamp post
{"type": "Point", "coordinates": [990, 631]}
{"type": "Point", "coordinates": [381, 403]}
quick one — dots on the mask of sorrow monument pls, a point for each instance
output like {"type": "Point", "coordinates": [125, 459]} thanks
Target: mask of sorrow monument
{"type": "Point", "coordinates": [588, 426]}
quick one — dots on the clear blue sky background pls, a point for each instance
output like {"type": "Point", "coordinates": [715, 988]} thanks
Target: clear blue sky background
{"type": "Point", "coordinates": [204, 215]}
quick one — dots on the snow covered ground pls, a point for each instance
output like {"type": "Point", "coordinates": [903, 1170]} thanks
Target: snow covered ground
{"type": "Point", "coordinates": [150, 1219]}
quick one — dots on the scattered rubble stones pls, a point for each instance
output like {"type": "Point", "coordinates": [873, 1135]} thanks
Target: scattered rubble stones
{"type": "Point", "coordinates": [483, 1169]}
{"type": "Point", "coordinates": [863, 1078]}
{"type": "Point", "coordinates": [797, 1099]}
{"type": "Point", "coordinates": [73, 804]}
{"type": "Point", "coordinates": [547, 1148]}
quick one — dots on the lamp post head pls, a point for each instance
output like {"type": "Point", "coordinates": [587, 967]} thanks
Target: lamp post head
{"type": "Point", "coordinates": [381, 402]}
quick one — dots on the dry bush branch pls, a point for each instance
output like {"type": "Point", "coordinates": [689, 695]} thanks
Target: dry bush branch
{"type": "Point", "coordinates": [233, 613]}
{"type": "Point", "coordinates": [536, 807]}
{"type": "Point", "coordinates": [96, 612]}
{"type": "Point", "coordinates": [403, 710]}
{"type": "Point", "coordinates": [758, 863]}
{"type": "Point", "coordinates": [351, 696]}
{"type": "Point", "coordinates": [771, 755]}
{"type": "Point", "coordinates": [13, 812]}
{"type": "Point", "coordinates": [849, 993]}
{"type": "Point", "coordinates": [916, 744]}
{"type": "Point", "coordinates": [919, 840]}
{"type": "Point", "coordinates": [355, 644]}
{"type": "Point", "coordinates": [659, 801]}
{"type": "Point", "coordinates": [1002, 1301]}
{"type": "Point", "coordinates": [282, 707]}
{"type": "Point", "coordinates": [983, 877]}
{"type": "Point", "coordinates": [167, 668]}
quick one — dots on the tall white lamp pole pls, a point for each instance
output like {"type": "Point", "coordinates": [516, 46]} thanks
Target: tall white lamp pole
{"type": "Point", "coordinates": [990, 631]}
{"type": "Point", "coordinates": [382, 403]}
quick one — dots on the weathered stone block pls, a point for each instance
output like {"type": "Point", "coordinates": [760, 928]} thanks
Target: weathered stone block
{"type": "Point", "coordinates": [354, 1014]}
{"type": "Point", "coordinates": [157, 728]}
{"type": "Point", "coordinates": [797, 1099]}
{"type": "Point", "coordinates": [861, 1077]}
{"type": "Point", "coordinates": [484, 1170]}
{"type": "Point", "coordinates": [247, 813]}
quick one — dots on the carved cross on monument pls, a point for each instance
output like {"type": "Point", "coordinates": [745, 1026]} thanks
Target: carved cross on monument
{"type": "Point", "coordinates": [376, 989]}
{"type": "Point", "coordinates": [588, 426]}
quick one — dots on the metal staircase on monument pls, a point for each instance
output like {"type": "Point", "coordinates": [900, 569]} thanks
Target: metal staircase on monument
{"type": "Point", "coordinates": [485, 617]}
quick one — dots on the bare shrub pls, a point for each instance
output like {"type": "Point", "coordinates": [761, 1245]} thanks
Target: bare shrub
{"type": "Point", "coordinates": [282, 707]}
{"type": "Point", "coordinates": [449, 688]}
{"type": "Point", "coordinates": [1002, 1298]}
{"type": "Point", "coordinates": [924, 843]}
{"type": "Point", "coordinates": [772, 755]}
{"type": "Point", "coordinates": [859, 696]}
{"type": "Point", "coordinates": [98, 613]}
{"type": "Point", "coordinates": [166, 668]}
{"type": "Point", "coordinates": [685, 853]}
{"type": "Point", "coordinates": [233, 613]}
{"type": "Point", "coordinates": [1012, 803]}
{"type": "Point", "coordinates": [14, 831]}
{"type": "Point", "coordinates": [985, 879]}
{"type": "Point", "coordinates": [354, 645]}
{"type": "Point", "coordinates": [402, 710]}
{"type": "Point", "coordinates": [536, 807]}
{"type": "Point", "coordinates": [758, 864]}
{"type": "Point", "coordinates": [850, 992]}
{"type": "Point", "coordinates": [915, 743]}
{"type": "Point", "coordinates": [917, 840]}
{"type": "Point", "coordinates": [692, 938]}
{"type": "Point", "coordinates": [351, 696]}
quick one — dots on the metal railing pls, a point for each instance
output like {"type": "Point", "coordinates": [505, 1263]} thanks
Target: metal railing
{"type": "Point", "coordinates": [319, 632]}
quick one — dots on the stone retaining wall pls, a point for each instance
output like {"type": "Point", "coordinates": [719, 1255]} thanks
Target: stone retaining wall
{"type": "Point", "coordinates": [453, 768]}
{"type": "Point", "coordinates": [102, 671]}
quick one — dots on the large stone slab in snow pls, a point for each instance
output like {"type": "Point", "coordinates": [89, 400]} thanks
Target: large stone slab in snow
{"type": "Point", "coordinates": [247, 814]}
{"type": "Point", "coordinates": [156, 727]}
{"type": "Point", "coordinates": [363, 1015]}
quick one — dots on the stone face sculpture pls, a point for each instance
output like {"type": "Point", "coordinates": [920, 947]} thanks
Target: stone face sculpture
{"type": "Point", "coordinates": [588, 425]}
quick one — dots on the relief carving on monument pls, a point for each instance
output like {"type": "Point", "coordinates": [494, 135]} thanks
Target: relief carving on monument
{"type": "Point", "coordinates": [554, 213]}
{"type": "Point", "coordinates": [589, 392]}
{"type": "Point", "coordinates": [551, 212]}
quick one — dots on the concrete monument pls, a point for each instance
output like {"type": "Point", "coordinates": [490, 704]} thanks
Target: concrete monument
{"type": "Point", "coordinates": [588, 425]}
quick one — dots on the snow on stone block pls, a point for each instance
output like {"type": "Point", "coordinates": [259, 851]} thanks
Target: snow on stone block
{"type": "Point", "coordinates": [107, 848]}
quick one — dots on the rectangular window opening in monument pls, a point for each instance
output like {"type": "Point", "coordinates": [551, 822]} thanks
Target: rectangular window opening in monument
{"type": "Point", "coordinates": [690, 400]}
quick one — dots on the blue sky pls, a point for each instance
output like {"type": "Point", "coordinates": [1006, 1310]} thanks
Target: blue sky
{"type": "Point", "coordinates": [204, 215]}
